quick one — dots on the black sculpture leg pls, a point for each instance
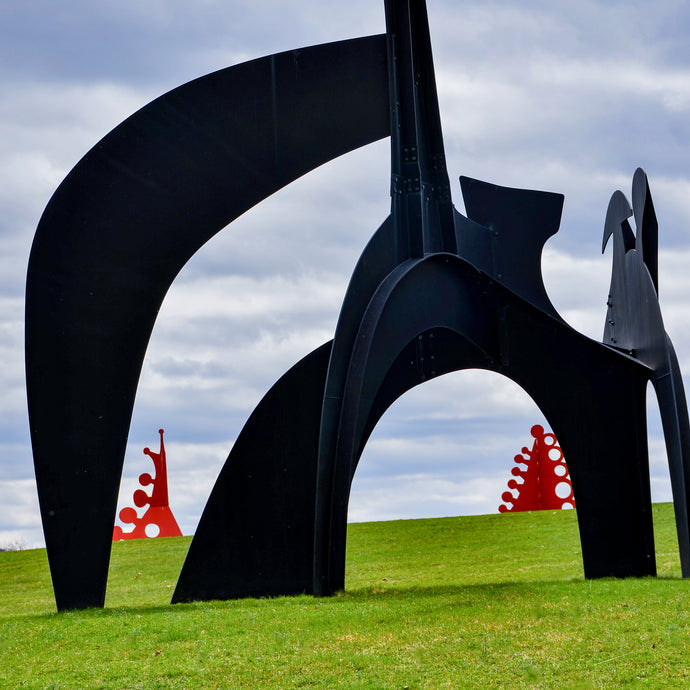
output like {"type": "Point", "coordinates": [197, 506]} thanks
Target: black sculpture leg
{"type": "Point", "coordinates": [674, 418]}
{"type": "Point", "coordinates": [118, 230]}
{"type": "Point", "coordinates": [607, 456]}
{"type": "Point", "coordinates": [634, 324]}
{"type": "Point", "coordinates": [595, 401]}
{"type": "Point", "coordinates": [256, 534]}
{"type": "Point", "coordinates": [601, 427]}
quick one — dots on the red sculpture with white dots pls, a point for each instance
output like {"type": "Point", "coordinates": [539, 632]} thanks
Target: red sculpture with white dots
{"type": "Point", "coordinates": [545, 481]}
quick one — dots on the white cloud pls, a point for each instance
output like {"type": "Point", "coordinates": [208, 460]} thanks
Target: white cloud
{"type": "Point", "coordinates": [19, 519]}
{"type": "Point", "coordinates": [423, 495]}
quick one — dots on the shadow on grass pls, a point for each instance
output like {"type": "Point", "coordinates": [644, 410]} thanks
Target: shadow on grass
{"type": "Point", "coordinates": [495, 592]}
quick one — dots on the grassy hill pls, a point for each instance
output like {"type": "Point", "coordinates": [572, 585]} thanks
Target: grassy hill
{"type": "Point", "coordinates": [494, 601]}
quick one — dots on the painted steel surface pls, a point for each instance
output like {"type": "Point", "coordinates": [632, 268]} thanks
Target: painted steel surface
{"type": "Point", "coordinates": [433, 292]}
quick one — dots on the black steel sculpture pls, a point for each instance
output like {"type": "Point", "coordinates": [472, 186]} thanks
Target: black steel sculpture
{"type": "Point", "coordinates": [433, 292]}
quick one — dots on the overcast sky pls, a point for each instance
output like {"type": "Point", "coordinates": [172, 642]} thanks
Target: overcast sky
{"type": "Point", "coordinates": [560, 96]}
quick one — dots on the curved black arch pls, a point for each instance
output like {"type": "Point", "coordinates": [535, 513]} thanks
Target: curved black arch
{"type": "Point", "coordinates": [617, 537]}
{"type": "Point", "coordinates": [120, 227]}
{"type": "Point", "coordinates": [425, 337]}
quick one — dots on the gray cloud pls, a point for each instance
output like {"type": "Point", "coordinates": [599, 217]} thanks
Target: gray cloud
{"type": "Point", "coordinates": [168, 41]}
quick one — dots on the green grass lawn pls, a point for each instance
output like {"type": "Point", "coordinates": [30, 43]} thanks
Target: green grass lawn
{"type": "Point", "coordinates": [494, 601]}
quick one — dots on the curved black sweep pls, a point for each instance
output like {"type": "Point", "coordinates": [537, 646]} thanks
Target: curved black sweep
{"type": "Point", "coordinates": [118, 230]}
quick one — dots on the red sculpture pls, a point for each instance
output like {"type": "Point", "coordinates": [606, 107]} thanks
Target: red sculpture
{"type": "Point", "coordinates": [546, 481]}
{"type": "Point", "coordinates": [158, 514]}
